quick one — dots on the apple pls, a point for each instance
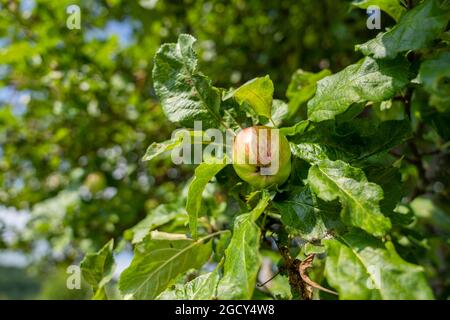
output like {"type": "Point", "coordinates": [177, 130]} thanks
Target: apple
{"type": "Point", "coordinates": [95, 182]}
{"type": "Point", "coordinates": [262, 156]}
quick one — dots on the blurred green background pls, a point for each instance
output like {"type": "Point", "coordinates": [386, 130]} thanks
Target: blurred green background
{"type": "Point", "coordinates": [77, 111]}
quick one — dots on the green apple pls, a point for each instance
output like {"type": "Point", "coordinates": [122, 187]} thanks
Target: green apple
{"type": "Point", "coordinates": [262, 156]}
{"type": "Point", "coordinates": [95, 182]}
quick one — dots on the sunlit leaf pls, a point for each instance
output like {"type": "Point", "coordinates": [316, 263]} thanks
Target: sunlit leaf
{"type": "Point", "coordinates": [98, 269]}
{"type": "Point", "coordinates": [359, 198]}
{"type": "Point", "coordinates": [186, 94]}
{"type": "Point", "coordinates": [258, 93]}
{"type": "Point", "coordinates": [302, 88]}
{"type": "Point", "coordinates": [242, 257]}
{"type": "Point", "coordinates": [159, 216]}
{"type": "Point", "coordinates": [359, 266]}
{"type": "Point", "coordinates": [367, 80]}
{"type": "Point", "coordinates": [158, 259]}
{"type": "Point", "coordinates": [204, 287]}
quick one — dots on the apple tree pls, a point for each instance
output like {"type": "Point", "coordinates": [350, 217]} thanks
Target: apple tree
{"type": "Point", "coordinates": [356, 210]}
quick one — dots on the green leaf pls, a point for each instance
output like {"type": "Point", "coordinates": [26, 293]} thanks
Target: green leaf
{"type": "Point", "coordinates": [242, 257]}
{"type": "Point", "coordinates": [415, 30]}
{"type": "Point", "coordinates": [391, 7]}
{"type": "Point", "coordinates": [158, 259]}
{"type": "Point", "coordinates": [157, 148]}
{"type": "Point", "coordinates": [296, 129]}
{"type": "Point", "coordinates": [367, 80]}
{"type": "Point", "coordinates": [314, 152]}
{"type": "Point", "coordinates": [359, 266]}
{"type": "Point", "coordinates": [235, 115]}
{"type": "Point", "coordinates": [307, 216]}
{"type": "Point", "coordinates": [258, 93]}
{"type": "Point", "coordinates": [383, 137]}
{"type": "Point", "coordinates": [310, 248]}
{"type": "Point", "coordinates": [186, 94]}
{"type": "Point", "coordinates": [389, 179]}
{"type": "Point", "coordinates": [279, 112]}
{"type": "Point", "coordinates": [203, 174]}
{"type": "Point", "coordinates": [204, 287]}
{"type": "Point", "coordinates": [161, 215]}
{"type": "Point", "coordinates": [302, 88]}
{"type": "Point", "coordinates": [358, 197]}
{"type": "Point", "coordinates": [324, 140]}
{"type": "Point", "coordinates": [355, 141]}
{"type": "Point", "coordinates": [98, 268]}
{"type": "Point", "coordinates": [433, 74]}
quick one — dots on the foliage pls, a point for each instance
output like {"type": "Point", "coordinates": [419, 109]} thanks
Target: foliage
{"type": "Point", "coordinates": [81, 103]}
{"type": "Point", "coordinates": [344, 205]}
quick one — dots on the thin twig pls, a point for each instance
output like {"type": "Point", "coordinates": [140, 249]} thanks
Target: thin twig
{"type": "Point", "coordinates": [268, 280]}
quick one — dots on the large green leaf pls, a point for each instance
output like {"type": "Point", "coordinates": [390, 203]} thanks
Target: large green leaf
{"type": "Point", "coordinates": [258, 93]}
{"type": "Point", "coordinates": [389, 179]}
{"type": "Point", "coordinates": [359, 266]}
{"type": "Point", "coordinates": [383, 137]}
{"type": "Point", "coordinates": [314, 152]}
{"type": "Point", "coordinates": [302, 88]}
{"type": "Point", "coordinates": [186, 94]}
{"type": "Point", "coordinates": [391, 7]}
{"type": "Point", "coordinates": [367, 80]}
{"type": "Point", "coordinates": [98, 268]}
{"type": "Point", "coordinates": [242, 257]}
{"type": "Point", "coordinates": [353, 141]}
{"type": "Point", "coordinates": [203, 287]}
{"type": "Point", "coordinates": [359, 198]}
{"type": "Point", "coordinates": [158, 259]}
{"type": "Point", "coordinates": [305, 215]}
{"type": "Point", "coordinates": [203, 174]}
{"type": "Point", "coordinates": [415, 30]}
{"type": "Point", "coordinates": [432, 75]}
